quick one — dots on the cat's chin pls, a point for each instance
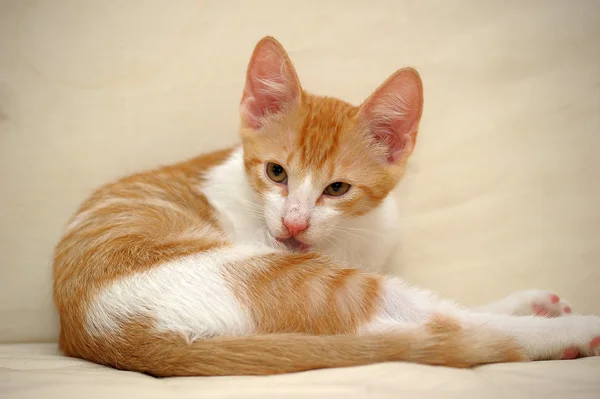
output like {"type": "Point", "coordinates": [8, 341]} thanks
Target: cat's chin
{"type": "Point", "coordinates": [294, 244]}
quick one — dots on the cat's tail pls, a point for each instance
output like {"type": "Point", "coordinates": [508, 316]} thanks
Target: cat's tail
{"type": "Point", "coordinates": [441, 342]}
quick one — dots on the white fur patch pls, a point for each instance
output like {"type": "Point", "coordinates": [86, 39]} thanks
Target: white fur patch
{"type": "Point", "coordinates": [306, 189]}
{"type": "Point", "coordinates": [401, 304]}
{"type": "Point", "coordinates": [300, 203]}
{"type": "Point", "coordinates": [187, 295]}
{"type": "Point", "coordinates": [240, 209]}
{"type": "Point", "coordinates": [274, 204]}
{"type": "Point", "coordinates": [366, 241]}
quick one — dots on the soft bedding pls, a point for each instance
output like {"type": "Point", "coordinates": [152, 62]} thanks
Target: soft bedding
{"type": "Point", "coordinates": [39, 371]}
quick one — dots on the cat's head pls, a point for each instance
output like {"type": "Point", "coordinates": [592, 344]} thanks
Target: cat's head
{"type": "Point", "coordinates": [316, 161]}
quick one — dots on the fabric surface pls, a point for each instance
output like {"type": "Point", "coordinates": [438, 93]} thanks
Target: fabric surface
{"type": "Point", "coordinates": [502, 193]}
{"type": "Point", "coordinates": [37, 370]}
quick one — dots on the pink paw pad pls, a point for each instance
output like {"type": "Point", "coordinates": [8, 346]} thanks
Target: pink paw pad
{"type": "Point", "coordinates": [570, 353]}
{"type": "Point", "coordinates": [567, 309]}
{"type": "Point", "coordinates": [554, 298]}
{"type": "Point", "coordinates": [540, 311]}
{"type": "Point", "coordinates": [595, 342]}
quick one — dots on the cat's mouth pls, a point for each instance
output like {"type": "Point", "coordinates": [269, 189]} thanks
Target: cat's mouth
{"type": "Point", "coordinates": [293, 243]}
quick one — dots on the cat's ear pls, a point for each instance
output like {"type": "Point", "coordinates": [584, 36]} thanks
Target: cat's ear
{"type": "Point", "coordinates": [271, 83]}
{"type": "Point", "coordinates": [392, 113]}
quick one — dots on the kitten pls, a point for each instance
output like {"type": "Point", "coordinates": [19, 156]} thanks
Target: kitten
{"type": "Point", "coordinates": [237, 262]}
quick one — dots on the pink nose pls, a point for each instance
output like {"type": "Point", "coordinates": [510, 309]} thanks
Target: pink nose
{"type": "Point", "coordinates": [295, 227]}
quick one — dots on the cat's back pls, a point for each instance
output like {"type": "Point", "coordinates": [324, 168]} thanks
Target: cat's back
{"type": "Point", "coordinates": [134, 224]}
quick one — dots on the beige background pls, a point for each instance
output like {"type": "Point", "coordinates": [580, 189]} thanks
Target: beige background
{"type": "Point", "coordinates": [503, 192]}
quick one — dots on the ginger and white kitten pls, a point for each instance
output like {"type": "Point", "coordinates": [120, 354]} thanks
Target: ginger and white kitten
{"type": "Point", "coordinates": [265, 258]}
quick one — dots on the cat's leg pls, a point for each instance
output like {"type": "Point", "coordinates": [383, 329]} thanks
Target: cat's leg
{"type": "Point", "coordinates": [545, 338]}
{"type": "Point", "coordinates": [240, 290]}
{"type": "Point", "coordinates": [542, 338]}
{"type": "Point", "coordinates": [529, 303]}
{"type": "Point", "coordinates": [314, 296]}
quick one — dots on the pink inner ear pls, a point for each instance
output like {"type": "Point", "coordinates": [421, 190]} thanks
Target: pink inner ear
{"type": "Point", "coordinates": [251, 112]}
{"type": "Point", "coordinates": [271, 83]}
{"type": "Point", "coordinates": [393, 112]}
{"type": "Point", "coordinates": [401, 148]}
{"type": "Point", "coordinates": [397, 144]}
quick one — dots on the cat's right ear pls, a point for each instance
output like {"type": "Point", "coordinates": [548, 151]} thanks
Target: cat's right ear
{"type": "Point", "coordinates": [392, 114]}
{"type": "Point", "coordinates": [272, 84]}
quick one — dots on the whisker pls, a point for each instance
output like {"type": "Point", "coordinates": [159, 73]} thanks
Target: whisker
{"type": "Point", "coordinates": [357, 231]}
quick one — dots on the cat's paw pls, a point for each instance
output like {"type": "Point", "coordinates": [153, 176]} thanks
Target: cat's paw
{"type": "Point", "coordinates": [577, 336]}
{"type": "Point", "coordinates": [538, 303]}
{"type": "Point", "coordinates": [574, 352]}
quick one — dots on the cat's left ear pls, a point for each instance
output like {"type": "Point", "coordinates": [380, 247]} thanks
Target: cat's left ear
{"type": "Point", "coordinates": [391, 115]}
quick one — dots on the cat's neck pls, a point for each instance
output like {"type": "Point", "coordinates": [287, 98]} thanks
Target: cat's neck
{"type": "Point", "coordinates": [365, 241]}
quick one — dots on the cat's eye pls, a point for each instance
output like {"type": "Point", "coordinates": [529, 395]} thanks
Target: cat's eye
{"type": "Point", "coordinates": [276, 173]}
{"type": "Point", "coordinates": [336, 189]}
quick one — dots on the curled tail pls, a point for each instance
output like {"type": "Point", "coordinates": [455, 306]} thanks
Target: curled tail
{"type": "Point", "coordinates": [440, 342]}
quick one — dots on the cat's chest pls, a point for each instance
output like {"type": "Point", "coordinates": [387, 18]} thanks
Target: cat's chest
{"type": "Point", "coordinates": [239, 219]}
{"type": "Point", "coordinates": [369, 240]}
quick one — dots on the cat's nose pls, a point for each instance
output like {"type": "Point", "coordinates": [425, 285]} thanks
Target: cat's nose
{"type": "Point", "coordinates": [295, 226]}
